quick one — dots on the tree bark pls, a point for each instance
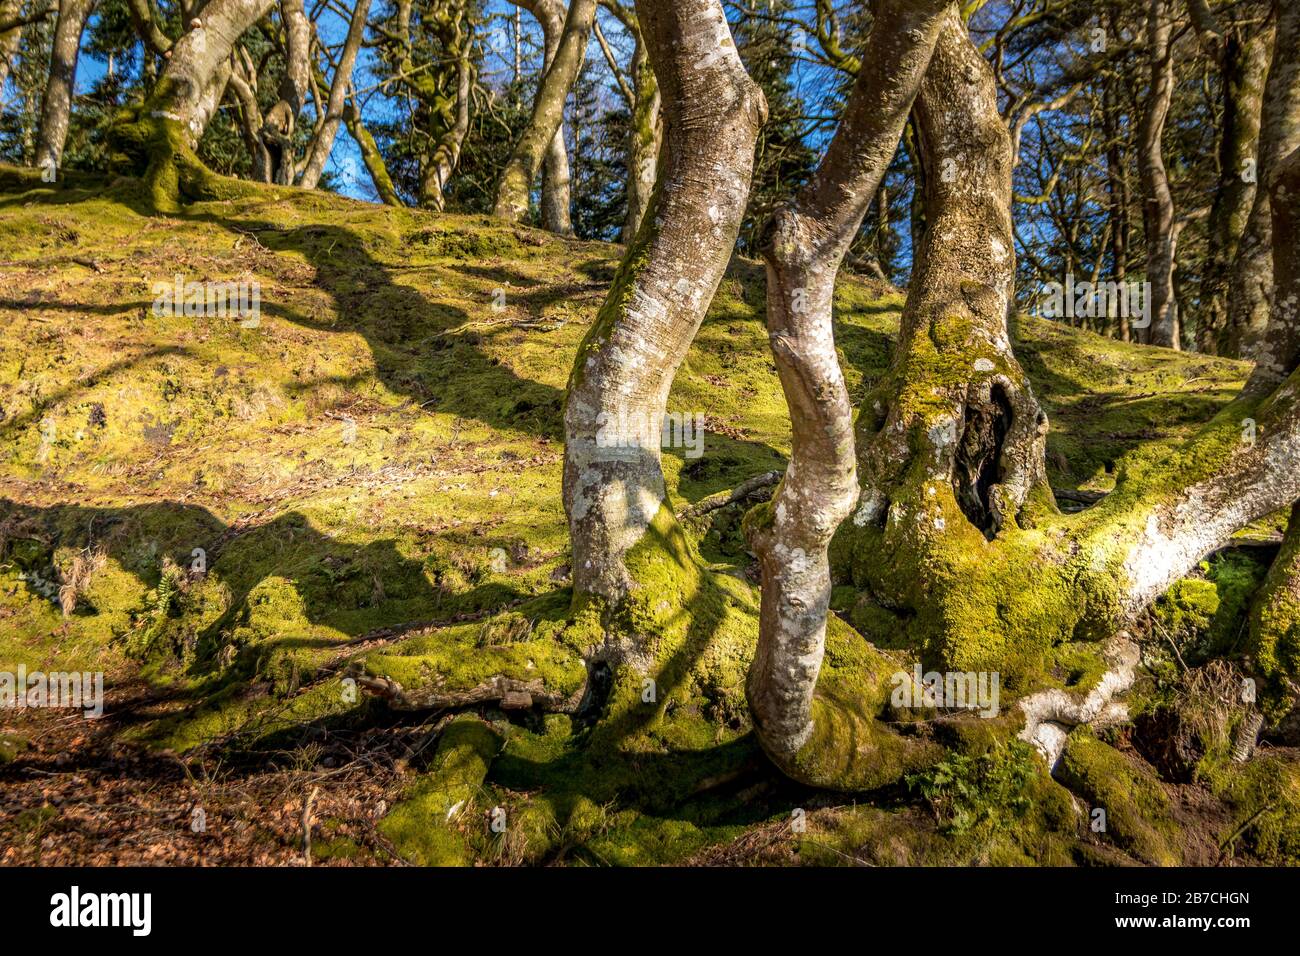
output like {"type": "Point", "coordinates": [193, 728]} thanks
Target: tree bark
{"type": "Point", "coordinates": [1275, 629]}
{"type": "Point", "coordinates": [1251, 281]}
{"type": "Point", "coordinates": [1158, 202]}
{"type": "Point", "coordinates": [548, 114]}
{"type": "Point", "coordinates": [161, 135]}
{"type": "Point", "coordinates": [371, 156]}
{"type": "Point", "coordinates": [10, 12]}
{"type": "Point", "coordinates": [613, 490]}
{"type": "Point", "coordinates": [804, 247]}
{"type": "Point", "coordinates": [282, 118]}
{"type": "Point", "coordinates": [183, 94]}
{"type": "Point", "coordinates": [445, 100]}
{"type": "Point", "coordinates": [645, 136]}
{"type": "Point", "coordinates": [1244, 67]}
{"type": "Point", "coordinates": [323, 143]}
{"type": "Point", "coordinates": [56, 106]}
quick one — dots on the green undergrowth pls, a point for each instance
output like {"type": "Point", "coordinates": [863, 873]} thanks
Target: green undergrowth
{"type": "Point", "coordinates": [226, 508]}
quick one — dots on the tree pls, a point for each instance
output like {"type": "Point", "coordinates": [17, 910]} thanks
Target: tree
{"type": "Point", "coordinates": [323, 141]}
{"type": "Point", "coordinates": [555, 167]}
{"type": "Point", "coordinates": [614, 490]}
{"type": "Point", "coordinates": [1158, 203]}
{"type": "Point", "coordinates": [56, 107]}
{"type": "Point", "coordinates": [804, 246]}
{"type": "Point", "coordinates": [521, 169]}
{"type": "Point", "coordinates": [1251, 279]}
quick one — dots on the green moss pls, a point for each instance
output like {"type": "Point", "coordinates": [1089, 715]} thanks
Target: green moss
{"type": "Point", "coordinates": [1265, 799]}
{"type": "Point", "coordinates": [11, 745]}
{"type": "Point", "coordinates": [1206, 616]}
{"type": "Point", "coordinates": [1139, 816]}
{"type": "Point", "coordinates": [979, 793]}
{"type": "Point", "coordinates": [428, 825]}
{"type": "Point", "coordinates": [317, 537]}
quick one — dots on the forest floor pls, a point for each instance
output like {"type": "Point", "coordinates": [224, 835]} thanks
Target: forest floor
{"type": "Point", "coordinates": [233, 519]}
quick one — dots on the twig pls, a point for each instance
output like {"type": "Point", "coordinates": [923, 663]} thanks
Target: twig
{"type": "Point", "coordinates": [306, 825]}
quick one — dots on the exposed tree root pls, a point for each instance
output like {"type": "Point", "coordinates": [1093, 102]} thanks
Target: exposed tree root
{"type": "Point", "coordinates": [506, 692]}
{"type": "Point", "coordinates": [1050, 715]}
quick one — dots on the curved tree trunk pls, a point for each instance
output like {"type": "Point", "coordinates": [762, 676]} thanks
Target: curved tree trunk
{"type": "Point", "coordinates": [371, 156]}
{"type": "Point", "coordinates": [56, 106]}
{"type": "Point", "coordinates": [282, 118]}
{"type": "Point", "coordinates": [555, 168]}
{"type": "Point", "coordinates": [1158, 202]}
{"type": "Point", "coordinates": [804, 248]}
{"type": "Point", "coordinates": [645, 136]}
{"type": "Point", "coordinates": [323, 142]}
{"type": "Point", "coordinates": [1244, 70]}
{"type": "Point", "coordinates": [556, 183]}
{"type": "Point", "coordinates": [548, 114]}
{"type": "Point", "coordinates": [447, 108]}
{"type": "Point", "coordinates": [1048, 581]}
{"type": "Point", "coordinates": [1251, 281]}
{"type": "Point", "coordinates": [164, 131]}
{"type": "Point", "coordinates": [614, 489]}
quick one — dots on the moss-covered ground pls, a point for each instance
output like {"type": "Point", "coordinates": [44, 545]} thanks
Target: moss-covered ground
{"type": "Point", "coordinates": [254, 519]}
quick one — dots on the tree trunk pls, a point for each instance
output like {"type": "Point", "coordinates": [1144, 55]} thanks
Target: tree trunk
{"type": "Point", "coordinates": [1279, 135]}
{"type": "Point", "coordinates": [646, 133]}
{"type": "Point", "coordinates": [323, 143]}
{"type": "Point", "coordinates": [56, 106]}
{"type": "Point", "coordinates": [548, 114]}
{"type": "Point", "coordinates": [613, 481]}
{"type": "Point", "coordinates": [243, 81]}
{"type": "Point", "coordinates": [445, 104]}
{"type": "Point", "coordinates": [371, 156]}
{"type": "Point", "coordinates": [183, 92]}
{"type": "Point", "coordinates": [1118, 192]}
{"type": "Point", "coordinates": [10, 10]}
{"type": "Point", "coordinates": [556, 182]}
{"type": "Point", "coordinates": [1244, 69]}
{"type": "Point", "coordinates": [1048, 581]}
{"type": "Point", "coordinates": [804, 247]}
{"type": "Point", "coordinates": [162, 133]}
{"type": "Point", "coordinates": [1158, 202]}
{"type": "Point", "coordinates": [555, 167]}
{"type": "Point", "coordinates": [282, 118]}
{"type": "Point", "coordinates": [1275, 629]}
{"type": "Point", "coordinates": [981, 435]}
{"type": "Point", "coordinates": [1278, 352]}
